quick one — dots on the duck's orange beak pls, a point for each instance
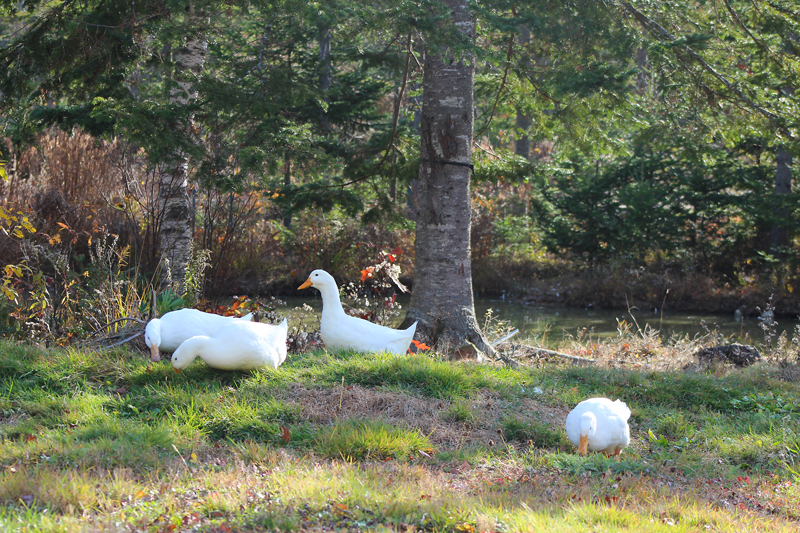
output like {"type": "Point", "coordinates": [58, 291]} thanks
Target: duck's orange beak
{"type": "Point", "coordinates": [154, 355]}
{"type": "Point", "coordinates": [177, 370]}
{"type": "Point", "coordinates": [583, 445]}
{"type": "Point", "coordinates": [306, 283]}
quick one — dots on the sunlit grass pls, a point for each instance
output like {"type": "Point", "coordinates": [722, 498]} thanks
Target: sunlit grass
{"type": "Point", "coordinates": [93, 439]}
{"type": "Point", "coordinates": [354, 440]}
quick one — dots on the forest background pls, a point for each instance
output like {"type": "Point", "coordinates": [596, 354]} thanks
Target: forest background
{"type": "Point", "coordinates": [625, 153]}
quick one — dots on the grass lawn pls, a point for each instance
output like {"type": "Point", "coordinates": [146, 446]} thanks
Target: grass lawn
{"type": "Point", "coordinates": [100, 440]}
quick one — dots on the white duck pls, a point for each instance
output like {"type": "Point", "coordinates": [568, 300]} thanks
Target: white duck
{"type": "Point", "coordinates": [342, 331]}
{"type": "Point", "coordinates": [598, 424]}
{"type": "Point", "coordinates": [169, 331]}
{"type": "Point", "coordinates": [238, 345]}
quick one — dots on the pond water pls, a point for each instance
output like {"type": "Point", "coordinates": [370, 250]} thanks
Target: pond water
{"type": "Point", "coordinates": [549, 325]}
{"type": "Point", "coordinates": [558, 322]}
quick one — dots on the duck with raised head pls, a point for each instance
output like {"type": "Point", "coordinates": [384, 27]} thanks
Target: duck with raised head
{"type": "Point", "coordinates": [169, 331]}
{"type": "Point", "coordinates": [238, 345]}
{"type": "Point", "coordinates": [342, 331]}
{"type": "Point", "coordinates": [599, 425]}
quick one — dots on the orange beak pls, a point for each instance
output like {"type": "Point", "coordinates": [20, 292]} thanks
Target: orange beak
{"type": "Point", "coordinates": [177, 370]}
{"type": "Point", "coordinates": [306, 283]}
{"type": "Point", "coordinates": [154, 355]}
{"type": "Point", "coordinates": [583, 445]}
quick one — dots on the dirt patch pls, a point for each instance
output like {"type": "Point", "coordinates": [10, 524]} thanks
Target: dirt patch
{"type": "Point", "coordinates": [326, 405]}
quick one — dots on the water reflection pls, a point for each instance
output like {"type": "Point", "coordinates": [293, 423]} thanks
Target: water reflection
{"type": "Point", "coordinates": [550, 325]}
{"type": "Point", "coordinates": [558, 322]}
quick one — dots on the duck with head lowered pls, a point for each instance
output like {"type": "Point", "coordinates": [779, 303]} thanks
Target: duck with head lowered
{"type": "Point", "coordinates": [342, 331]}
{"type": "Point", "coordinates": [238, 345]}
{"type": "Point", "coordinates": [599, 425]}
{"type": "Point", "coordinates": [169, 331]}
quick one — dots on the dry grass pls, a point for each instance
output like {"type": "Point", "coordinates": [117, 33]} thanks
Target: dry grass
{"type": "Point", "coordinates": [256, 487]}
{"type": "Point", "coordinates": [325, 406]}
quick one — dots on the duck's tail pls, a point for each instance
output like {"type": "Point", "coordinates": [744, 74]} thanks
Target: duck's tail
{"type": "Point", "coordinates": [622, 409]}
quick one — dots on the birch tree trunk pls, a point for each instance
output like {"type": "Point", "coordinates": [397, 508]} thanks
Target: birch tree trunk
{"type": "Point", "coordinates": [175, 232]}
{"type": "Point", "coordinates": [442, 299]}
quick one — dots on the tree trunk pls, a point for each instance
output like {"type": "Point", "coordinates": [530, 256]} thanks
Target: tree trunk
{"type": "Point", "coordinates": [287, 180]}
{"type": "Point", "coordinates": [175, 233]}
{"type": "Point", "coordinates": [442, 298]}
{"type": "Point", "coordinates": [325, 72]}
{"type": "Point", "coordinates": [522, 145]}
{"type": "Point", "coordinates": [413, 186]}
{"type": "Point", "coordinates": [779, 236]}
{"type": "Point", "coordinates": [643, 77]}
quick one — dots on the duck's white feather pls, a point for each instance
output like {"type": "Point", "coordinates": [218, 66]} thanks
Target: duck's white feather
{"type": "Point", "coordinates": [169, 331]}
{"type": "Point", "coordinates": [342, 331]}
{"type": "Point", "coordinates": [238, 345]}
{"type": "Point", "coordinates": [610, 432]}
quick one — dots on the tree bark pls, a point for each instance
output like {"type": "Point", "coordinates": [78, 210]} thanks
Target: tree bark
{"type": "Point", "coordinates": [287, 181]}
{"type": "Point", "coordinates": [175, 232]}
{"type": "Point", "coordinates": [522, 144]}
{"type": "Point", "coordinates": [779, 236]}
{"type": "Point", "coordinates": [416, 124]}
{"type": "Point", "coordinates": [325, 72]}
{"type": "Point", "coordinates": [442, 299]}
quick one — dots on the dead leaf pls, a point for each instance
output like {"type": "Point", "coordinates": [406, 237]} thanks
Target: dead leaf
{"type": "Point", "coordinates": [286, 435]}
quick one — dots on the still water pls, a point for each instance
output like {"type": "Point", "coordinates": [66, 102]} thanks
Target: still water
{"type": "Point", "coordinates": [549, 325]}
{"type": "Point", "coordinates": [558, 322]}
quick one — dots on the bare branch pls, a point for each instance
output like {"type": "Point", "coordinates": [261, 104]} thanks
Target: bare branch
{"type": "Point", "coordinates": [118, 320]}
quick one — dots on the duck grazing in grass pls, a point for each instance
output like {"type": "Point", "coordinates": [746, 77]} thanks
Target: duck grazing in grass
{"type": "Point", "coordinates": [169, 331]}
{"type": "Point", "coordinates": [238, 345]}
{"type": "Point", "coordinates": [599, 425]}
{"type": "Point", "coordinates": [342, 331]}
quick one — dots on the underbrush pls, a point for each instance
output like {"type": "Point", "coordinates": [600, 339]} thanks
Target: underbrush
{"type": "Point", "coordinates": [546, 280]}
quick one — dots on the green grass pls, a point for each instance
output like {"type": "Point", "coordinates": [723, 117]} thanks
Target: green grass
{"type": "Point", "coordinates": [102, 440]}
{"type": "Point", "coordinates": [538, 434]}
{"type": "Point", "coordinates": [354, 440]}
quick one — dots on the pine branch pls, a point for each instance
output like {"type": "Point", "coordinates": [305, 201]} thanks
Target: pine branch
{"type": "Point", "coordinates": [502, 86]}
{"type": "Point", "coordinates": [662, 34]}
{"type": "Point", "coordinates": [395, 119]}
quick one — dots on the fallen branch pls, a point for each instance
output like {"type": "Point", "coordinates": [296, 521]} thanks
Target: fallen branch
{"type": "Point", "coordinates": [574, 359]}
{"type": "Point", "coordinates": [122, 341]}
{"type": "Point", "coordinates": [115, 321]}
{"type": "Point", "coordinates": [504, 338]}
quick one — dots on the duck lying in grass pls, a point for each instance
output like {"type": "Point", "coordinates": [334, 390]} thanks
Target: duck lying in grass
{"type": "Point", "coordinates": [238, 345]}
{"type": "Point", "coordinates": [342, 331]}
{"type": "Point", "coordinates": [169, 331]}
{"type": "Point", "coordinates": [599, 425]}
